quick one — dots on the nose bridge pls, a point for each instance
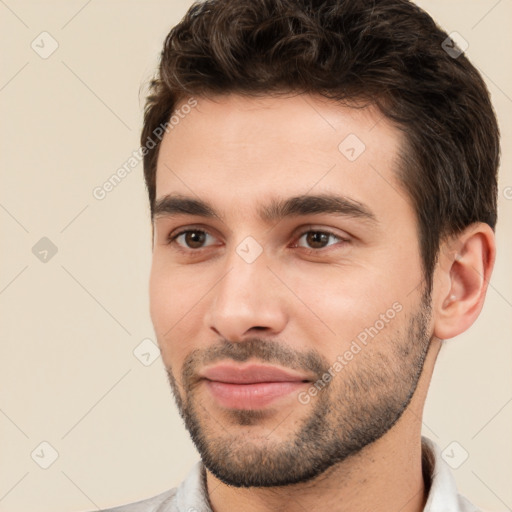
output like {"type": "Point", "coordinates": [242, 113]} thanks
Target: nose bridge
{"type": "Point", "coordinates": [245, 276]}
{"type": "Point", "coordinates": [245, 297]}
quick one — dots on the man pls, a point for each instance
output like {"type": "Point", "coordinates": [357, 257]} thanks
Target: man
{"type": "Point", "coordinates": [322, 183]}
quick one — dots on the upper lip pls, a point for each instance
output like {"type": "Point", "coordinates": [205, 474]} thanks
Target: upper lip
{"type": "Point", "coordinates": [250, 374]}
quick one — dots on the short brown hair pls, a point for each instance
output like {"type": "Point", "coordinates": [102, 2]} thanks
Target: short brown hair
{"type": "Point", "coordinates": [388, 53]}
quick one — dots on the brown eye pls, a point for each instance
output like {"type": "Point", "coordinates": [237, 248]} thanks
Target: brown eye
{"type": "Point", "coordinates": [191, 238]}
{"type": "Point", "coordinates": [195, 239]}
{"type": "Point", "coordinates": [318, 239]}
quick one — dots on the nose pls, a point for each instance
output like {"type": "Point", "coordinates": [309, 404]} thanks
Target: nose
{"type": "Point", "coordinates": [247, 301]}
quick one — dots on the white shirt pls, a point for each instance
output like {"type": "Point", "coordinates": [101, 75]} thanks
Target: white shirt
{"type": "Point", "coordinates": [191, 496]}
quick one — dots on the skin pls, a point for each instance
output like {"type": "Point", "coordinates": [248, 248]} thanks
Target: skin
{"type": "Point", "coordinates": [237, 153]}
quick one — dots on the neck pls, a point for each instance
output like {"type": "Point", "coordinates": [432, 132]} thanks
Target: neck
{"type": "Point", "coordinates": [386, 475]}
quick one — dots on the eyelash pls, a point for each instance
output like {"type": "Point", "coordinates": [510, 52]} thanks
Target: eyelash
{"type": "Point", "coordinates": [171, 240]}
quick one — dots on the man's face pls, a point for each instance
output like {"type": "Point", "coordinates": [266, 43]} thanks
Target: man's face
{"type": "Point", "coordinates": [292, 337]}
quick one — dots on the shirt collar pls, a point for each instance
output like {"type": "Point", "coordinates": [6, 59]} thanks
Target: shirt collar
{"type": "Point", "coordinates": [443, 495]}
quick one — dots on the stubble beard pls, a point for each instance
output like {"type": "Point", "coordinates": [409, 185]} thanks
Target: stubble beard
{"type": "Point", "coordinates": [357, 408]}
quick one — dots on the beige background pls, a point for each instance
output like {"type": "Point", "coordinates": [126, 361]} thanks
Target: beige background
{"type": "Point", "coordinates": [70, 326]}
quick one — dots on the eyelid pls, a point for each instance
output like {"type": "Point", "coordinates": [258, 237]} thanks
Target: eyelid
{"type": "Point", "coordinates": [303, 230]}
{"type": "Point", "coordinates": [171, 237]}
{"type": "Point", "coordinates": [316, 229]}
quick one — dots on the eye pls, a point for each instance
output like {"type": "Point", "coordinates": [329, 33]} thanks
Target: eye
{"type": "Point", "coordinates": [318, 239]}
{"type": "Point", "coordinates": [311, 241]}
{"type": "Point", "coordinates": [191, 238]}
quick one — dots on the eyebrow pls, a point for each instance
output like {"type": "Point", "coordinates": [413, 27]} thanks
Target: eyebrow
{"type": "Point", "coordinates": [176, 204]}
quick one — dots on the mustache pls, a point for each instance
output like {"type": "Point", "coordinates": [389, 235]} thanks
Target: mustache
{"type": "Point", "coordinates": [263, 350]}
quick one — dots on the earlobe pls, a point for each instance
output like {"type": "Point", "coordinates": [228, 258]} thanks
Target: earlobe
{"type": "Point", "coordinates": [461, 279]}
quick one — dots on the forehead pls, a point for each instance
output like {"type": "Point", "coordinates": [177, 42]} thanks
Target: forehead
{"type": "Point", "coordinates": [236, 152]}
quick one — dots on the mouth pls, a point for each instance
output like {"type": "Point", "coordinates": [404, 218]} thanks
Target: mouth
{"type": "Point", "coordinates": [251, 386]}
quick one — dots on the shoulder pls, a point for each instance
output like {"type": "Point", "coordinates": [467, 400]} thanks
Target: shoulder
{"type": "Point", "coordinates": [190, 495]}
{"type": "Point", "coordinates": [466, 506]}
{"type": "Point", "coordinates": [164, 502]}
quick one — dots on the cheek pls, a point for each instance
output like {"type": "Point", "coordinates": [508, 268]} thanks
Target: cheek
{"type": "Point", "coordinates": [174, 306]}
{"type": "Point", "coordinates": [160, 298]}
{"type": "Point", "coordinates": [345, 304]}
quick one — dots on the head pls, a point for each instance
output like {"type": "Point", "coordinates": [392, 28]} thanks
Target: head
{"type": "Point", "coordinates": [323, 202]}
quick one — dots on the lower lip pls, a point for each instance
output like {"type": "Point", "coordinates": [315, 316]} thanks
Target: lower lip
{"type": "Point", "coordinates": [251, 396]}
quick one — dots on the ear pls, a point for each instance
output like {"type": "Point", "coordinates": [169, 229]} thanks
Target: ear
{"type": "Point", "coordinates": [461, 278]}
